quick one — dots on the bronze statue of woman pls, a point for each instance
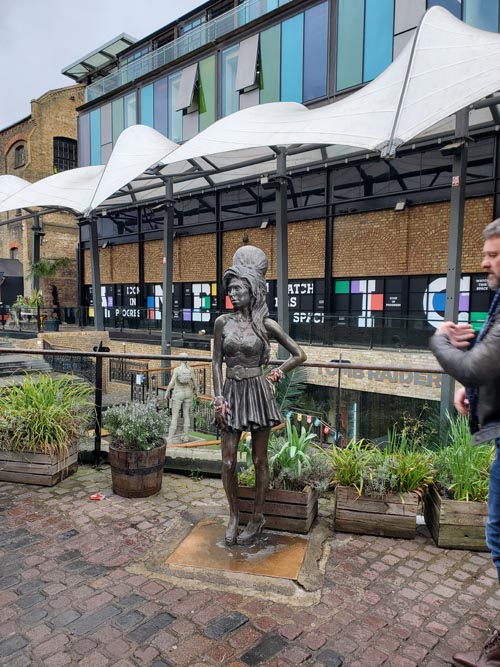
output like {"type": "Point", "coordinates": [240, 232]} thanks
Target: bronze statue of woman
{"type": "Point", "coordinates": [246, 401]}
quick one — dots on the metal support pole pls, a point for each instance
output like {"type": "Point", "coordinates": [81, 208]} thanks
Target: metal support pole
{"type": "Point", "coordinates": [282, 241]}
{"type": "Point", "coordinates": [98, 403]}
{"type": "Point", "coordinates": [96, 276]}
{"type": "Point", "coordinates": [455, 239]}
{"type": "Point", "coordinates": [168, 261]}
{"type": "Point", "coordinates": [35, 253]}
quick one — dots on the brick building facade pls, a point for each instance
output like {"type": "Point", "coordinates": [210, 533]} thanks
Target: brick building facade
{"type": "Point", "coordinates": [36, 147]}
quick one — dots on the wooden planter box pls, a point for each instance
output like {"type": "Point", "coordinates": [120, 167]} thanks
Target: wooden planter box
{"type": "Point", "coordinates": [455, 524]}
{"type": "Point", "coordinates": [390, 516]}
{"type": "Point", "coordinates": [293, 511]}
{"type": "Point", "coordinates": [32, 468]}
{"type": "Point", "coordinates": [136, 473]}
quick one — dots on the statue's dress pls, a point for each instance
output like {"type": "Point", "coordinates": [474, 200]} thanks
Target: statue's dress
{"type": "Point", "coordinates": [251, 402]}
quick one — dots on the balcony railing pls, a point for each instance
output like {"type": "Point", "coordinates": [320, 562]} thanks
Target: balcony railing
{"type": "Point", "coordinates": [194, 39]}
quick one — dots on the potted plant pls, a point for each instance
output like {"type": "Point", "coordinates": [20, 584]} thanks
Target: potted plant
{"type": "Point", "coordinates": [137, 449]}
{"type": "Point", "coordinates": [377, 489]}
{"type": "Point", "coordinates": [455, 506]}
{"type": "Point", "coordinates": [297, 474]}
{"type": "Point", "coordinates": [41, 420]}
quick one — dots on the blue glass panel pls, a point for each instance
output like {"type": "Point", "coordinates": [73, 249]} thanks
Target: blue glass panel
{"type": "Point", "coordinates": [350, 43]}
{"type": "Point", "coordinates": [379, 29]}
{"type": "Point", "coordinates": [292, 56]}
{"type": "Point", "coordinates": [95, 136]}
{"type": "Point", "coordinates": [174, 117]}
{"type": "Point", "coordinates": [315, 51]}
{"type": "Point", "coordinates": [147, 105]}
{"type": "Point", "coordinates": [161, 112]}
{"type": "Point", "coordinates": [230, 96]}
{"type": "Point", "coordinates": [84, 140]}
{"type": "Point", "coordinates": [453, 6]}
{"type": "Point", "coordinates": [482, 14]}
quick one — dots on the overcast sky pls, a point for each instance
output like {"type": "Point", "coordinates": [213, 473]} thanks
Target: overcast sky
{"type": "Point", "coordinates": [39, 38]}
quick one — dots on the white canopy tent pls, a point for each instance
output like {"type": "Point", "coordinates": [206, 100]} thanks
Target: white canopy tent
{"type": "Point", "coordinates": [446, 67]}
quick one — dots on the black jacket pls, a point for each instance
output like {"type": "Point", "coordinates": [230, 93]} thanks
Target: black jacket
{"type": "Point", "coordinates": [476, 367]}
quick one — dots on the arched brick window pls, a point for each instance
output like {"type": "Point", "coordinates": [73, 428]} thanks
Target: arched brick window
{"type": "Point", "coordinates": [65, 154]}
{"type": "Point", "coordinates": [19, 156]}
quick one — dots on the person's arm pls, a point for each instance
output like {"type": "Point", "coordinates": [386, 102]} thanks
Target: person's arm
{"type": "Point", "coordinates": [474, 367]}
{"type": "Point", "coordinates": [220, 405]}
{"type": "Point", "coordinates": [171, 384]}
{"type": "Point", "coordinates": [297, 354]}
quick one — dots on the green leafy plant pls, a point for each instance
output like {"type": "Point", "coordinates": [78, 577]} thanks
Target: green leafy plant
{"type": "Point", "coordinates": [43, 414]}
{"type": "Point", "coordinates": [48, 268]}
{"type": "Point", "coordinates": [462, 469]}
{"type": "Point", "coordinates": [373, 471]}
{"type": "Point", "coordinates": [32, 301]}
{"type": "Point", "coordinates": [294, 462]}
{"type": "Point", "coordinates": [290, 390]}
{"type": "Point", "coordinates": [136, 425]}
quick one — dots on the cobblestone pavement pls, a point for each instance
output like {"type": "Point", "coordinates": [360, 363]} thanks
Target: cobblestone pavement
{"type": "Point", "coordinates": [83, 583]}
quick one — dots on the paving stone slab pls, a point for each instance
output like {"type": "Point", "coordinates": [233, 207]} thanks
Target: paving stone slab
{"type": "Point", "coordinates": [224, 625]}
{"type": "Point", "coordinates": [145, 631]}
{"type": "Point", "coordinates": [264, 650]}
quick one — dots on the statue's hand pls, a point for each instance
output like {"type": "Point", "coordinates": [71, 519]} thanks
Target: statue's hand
{"type": "Point", "coordinates": [220, 411]}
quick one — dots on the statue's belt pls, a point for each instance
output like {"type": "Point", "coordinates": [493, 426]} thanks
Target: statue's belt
{"type": "Point", "coordinates": [242, 373]}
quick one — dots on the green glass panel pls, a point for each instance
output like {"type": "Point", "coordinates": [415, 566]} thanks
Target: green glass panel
{"type": "Point", "coordinates": [117, 113]}
{"type": "Point", "coordinates": [147, 117]}
{"type": "Point", "coordinates": [270, 59]}
{"type": "Point", "coordinates": [207, 92]}
{"type": "Point", "coordinates": [350, 43]}
{"type": "Point", "coordinates": [342, 286]}
{"type": "Point", "coordinates": [482, 14]}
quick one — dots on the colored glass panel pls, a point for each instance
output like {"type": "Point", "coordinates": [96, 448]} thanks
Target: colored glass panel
{"type": "Point", "coordinates": [117, 114]}
{"type": "Point", "coordinates": [453, 6]}
{"type": "Point", "coordinates": [270, 59]}
{"type": "Point", "coordinates": [481, 14]}
{"type": "Point", "coordinates": [130, 109]}
{"type": "Point", "coordinates": [230, 96]}
{"type": "Point", "coordinates": [207, 92]}
{"type": "Point", "coordinates": [147, 107]}
{"type": "Point", "coordinates": [350, 43]}
{"type": "Point", "coordinates": [106, 136]}
{"type": "Point", "coordinates": [342, 287]}
{"type": "Point", "coordinates": [174, 117]}
{"type": "Point", "coordinates": [84, 140]}
{"type": "Point", "coordinates": [315, 51]}
{"type": "Point", "coordinates": [376, 302]}
{"type": "Point", "coordinates": [292, 58]}
{"type": "Point", "coordinates": [379, 29]}
{"type": "Point", "coordinates": [160, 120]}
{"type": "Point", "coordinates": [95, 136]}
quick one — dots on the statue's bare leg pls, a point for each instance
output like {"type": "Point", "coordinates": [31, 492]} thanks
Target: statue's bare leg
{"type": "Point", "coordinates": [254, 527]}
{"type": "Point", "coordinates": [229, 446]}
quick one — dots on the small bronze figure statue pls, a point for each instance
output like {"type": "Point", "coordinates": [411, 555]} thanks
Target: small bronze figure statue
{"type": "Point", "coordinates": [183, 388]}
{"type": "Point", "coordinates": [247, 401]}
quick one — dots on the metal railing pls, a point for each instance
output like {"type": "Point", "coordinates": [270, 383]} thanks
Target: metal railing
{"type": "Point", "coordinates": [200, 36]}
{"type": "Point", "coordinates": [71, 361]}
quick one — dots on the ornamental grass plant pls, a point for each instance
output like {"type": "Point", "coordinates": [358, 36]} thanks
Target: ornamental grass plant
{"type": "Point", "coordinates": [136, 425]}
{"type": "Point", "coordinates": [43, 414]}
{"type": "Point", "coordinates": [462, 469]}
{"type": "Point", "coordinates": [374, 471]}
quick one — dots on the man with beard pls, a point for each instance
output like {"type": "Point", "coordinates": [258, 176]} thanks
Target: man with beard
{"type": "Point", "coordinates": [475, 362]}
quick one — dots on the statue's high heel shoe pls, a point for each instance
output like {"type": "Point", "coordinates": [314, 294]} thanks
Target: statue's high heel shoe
{"type": "Point", "coordinates": [251, 532]}
{"type": "Point", "coordinates": [232, 530]}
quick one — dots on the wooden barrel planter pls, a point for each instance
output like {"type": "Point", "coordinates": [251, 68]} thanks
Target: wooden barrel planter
{"type": "Point", "coordinates": [390, 516]}
{"type": "Point", "coordinates": [455, 524]}
{"type": "Point", "coordinates": [136, 473]}
{"type": "Point", "coordinates": [293, 511]}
